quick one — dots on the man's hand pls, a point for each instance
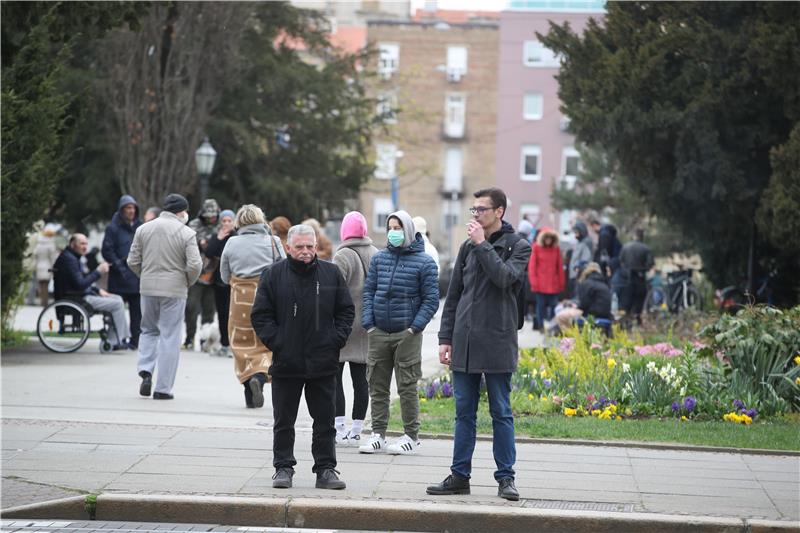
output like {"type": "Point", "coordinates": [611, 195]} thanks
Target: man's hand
{"type": "Point", "coordinates": [475, 232]}
{"type": "Point", "coordinates": [102, 268]}
{"type": "Point", "coordinates": [104, 294]}
{"type": "Point", "coordinates": [445, 352]}
{"type": "Point", "coordinates": [223, 232]}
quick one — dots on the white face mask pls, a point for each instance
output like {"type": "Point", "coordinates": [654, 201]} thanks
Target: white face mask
{"type": "Point", "coordinates": [184, 218]}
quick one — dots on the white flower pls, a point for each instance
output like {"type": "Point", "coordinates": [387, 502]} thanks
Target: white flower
{"type": "Point", "coordinates": [683, 390]}
{"type": "Point", "coordinates": [651, 366]}
{"type": "Point", "coordinates": [626, 367]}
{"type": "Point", "coordinates": [534, 372]}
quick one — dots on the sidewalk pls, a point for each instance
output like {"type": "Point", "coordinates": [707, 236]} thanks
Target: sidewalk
{"type": "Point", "coordinates": [74, 424]}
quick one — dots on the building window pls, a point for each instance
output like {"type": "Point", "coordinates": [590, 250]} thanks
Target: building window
{"type": "Point", "coordinates": [388, 59]}
{"type": "Point", "coordinates": [531, 163]}
{"type": "Point", "coordinates": [386, 108]}
{"type": "Point", "coordinates": [456, 62]}
{"type": "Point", "coordinates": [385, 161]}
{"type": "Point", "coordinates": [570, 166]}
{"type": "Point", "coordinates": [382, 208]}
{"type": "Point", "coordinates": [530, 212]}
{"type": "Point", "coordinates": [532, 106]}
{"type": "Point", "coordinates": [453, 177]}
{"type": "Point", "coordinates": [454, 115]}
{"type": "Point", "coordinates": [535, 54]}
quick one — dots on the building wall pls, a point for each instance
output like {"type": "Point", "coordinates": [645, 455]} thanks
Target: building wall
{"type": "Point", "coordinates": [421, 87]}
{"type": "Point", "coordinates": [513, 131]}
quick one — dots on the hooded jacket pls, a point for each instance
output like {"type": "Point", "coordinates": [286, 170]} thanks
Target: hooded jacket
{"type": "Point", "coordinates": [546, 267]}
{"type": "Point", "coordinates": [304, 314]}
{"type": "Point", "coordinates": [594, 296]}
{"type": "Point", "coordinates": [116, 246]}
{"type": "Point", "coordinates": [249, 252]}
{"type": "Point", "coordinates": [353, 258]}
{"type": "Point", "coordinates": [608, 247]}
{"type": "Point", "coordinates": [582, 252]}
{"type": "Point", "coordinates": [402, 286]}
{"type": "Point", "coordinates": [479, 319]}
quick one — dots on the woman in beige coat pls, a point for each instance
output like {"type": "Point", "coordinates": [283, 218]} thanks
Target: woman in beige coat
{"type": "Point", "coordinates": [353, 257]}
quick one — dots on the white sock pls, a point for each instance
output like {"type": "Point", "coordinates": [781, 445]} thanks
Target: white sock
{"type": "Point", "coordinates": [358, 425]}
{"type": "Point", "coordinates": [339, 424]}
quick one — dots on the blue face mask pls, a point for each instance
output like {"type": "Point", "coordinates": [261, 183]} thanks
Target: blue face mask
{"type": "Point", "coordinates": [396, 237]}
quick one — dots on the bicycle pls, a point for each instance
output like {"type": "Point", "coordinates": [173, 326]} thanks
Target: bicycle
{"type": "Point", "coordinates": [678, 295]}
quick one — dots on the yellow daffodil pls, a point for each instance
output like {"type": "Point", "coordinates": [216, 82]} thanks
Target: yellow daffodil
{"type": "Point", "coordinates": [618, 418]}
{"type": "Point", "coordinates": [797, 381]}
{"type": "Point", "coordinates": [595, 412]}
{"type": "Point", "coordinates": [611, 363]}
{"type": "Point", "coordinates": [423, 400]}
{"type": "Point", "coordinates": [605, 415]}
{"type": "Point", "coordinates": [684, 419]}
{"type": "Point", "coordinates": [612, 408]}
{"type": "Point", "coordinates": [530, 396]}
{"type": "Point", "coordinates": [543, 398]}
{"type": "Point", "coordinates": [746, 420]}
{"type": "Point", "coordinates": [570, 412]}
{"type": "Point", "coordinates": [797, 360]}
{"type": "Point", "coordinates": [543, 373]}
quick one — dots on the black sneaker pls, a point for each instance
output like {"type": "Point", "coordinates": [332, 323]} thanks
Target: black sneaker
{"type": "Point", "coordinates": [507, 490]}
{"type": "Point", "coordinates": [147, 383]}
{"type": "Point", "coordinates": [327, 479]}
{"type": "Point", "coordinates": [282, 478]}
{"type": "Point", "coordinates": [162, 396]}
{"type": "Point", "coordinates": [452, 484]}
{"type": "Point", "coordinates": [257, 389]}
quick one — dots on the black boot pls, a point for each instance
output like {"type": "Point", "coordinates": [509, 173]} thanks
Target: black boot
{"type": "Point", "coordinates": [256, 387]}
{"type": "Point", "coordinates": [147, 383]}
{"type": "Point", "coordinates": [452, 484]}
{"type": "Point", "coordinates": [507, 490]}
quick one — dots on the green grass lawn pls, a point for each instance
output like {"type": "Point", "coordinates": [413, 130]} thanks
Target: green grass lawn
{"type": "Point", "coordinates": [437, 417]}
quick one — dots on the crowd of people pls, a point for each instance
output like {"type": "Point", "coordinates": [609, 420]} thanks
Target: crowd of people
{"type": "Point", "coordinates": [293, 312]}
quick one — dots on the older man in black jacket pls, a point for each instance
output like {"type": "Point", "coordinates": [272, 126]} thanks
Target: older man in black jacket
{"type": "Point", "coordinates": [303, 312]}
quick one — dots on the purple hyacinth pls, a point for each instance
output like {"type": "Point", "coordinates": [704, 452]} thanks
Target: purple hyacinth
{"type": "Point", "coordinates": [738, 404]}
{"type": "Point", "coordinates": [751, 412]}
{"type": "Point", "coordinates": [447, 389]}
{"type": "Point", "coordinates": [547, 383]}
{"type": "Point", "coordinates": [431, 392]}
{"type": "Point", "coordinates": [675, 407]}
{"type": "Point", "coordinates": [689, 403]}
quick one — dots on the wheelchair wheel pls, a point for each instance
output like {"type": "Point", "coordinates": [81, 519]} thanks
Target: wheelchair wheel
{"type": "Point", "coordinates": [105, 346]}
{"type": "Point", "coordinates": [63, 326]}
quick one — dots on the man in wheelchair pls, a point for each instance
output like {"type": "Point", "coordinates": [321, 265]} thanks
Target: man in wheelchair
{"type": "Point", "coordinates": [71, 282]}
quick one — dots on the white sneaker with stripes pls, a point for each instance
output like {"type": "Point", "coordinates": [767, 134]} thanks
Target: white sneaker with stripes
{"type": "Point", "coordinates": [405, 445]}
{"type": "Point", "coordinates": [353, 440]}
{"type": "Point", "coordinates": [375, 444]}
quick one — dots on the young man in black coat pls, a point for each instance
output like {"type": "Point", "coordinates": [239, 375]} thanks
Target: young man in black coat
{"type": "Point", "coordinates": [303, 312]}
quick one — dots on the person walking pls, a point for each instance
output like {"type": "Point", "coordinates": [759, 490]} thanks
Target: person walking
{"type": "Point", "coordinates": [200, 301]}
{"type": "Point", "coordinates": [636, 260]}
{"type": "Point", "coordinates": [70, 279]}
{"type": "Point", "coordinates": [303, 311]}
{"type": "Point", "coordinates": [164, 255]}
{"type": "Point", "coordinates": [353, 257]}
{"type": "Point", "coordinates": [478, 336]}
{"type": "Point", "coordinates": [401, 295]}
{"type": "Point", "coordinates": [546, 275]}
{"type": "Point", "coordinates": [222, 291]}
{"type": "Point", "coordinates": [116, 245]}
{"type": "Point", "coordinates": [581, 255]}
{"type": "Point", "coordinates": [246, 255]}
{"type": "Point", "coordinates": [45, 254]}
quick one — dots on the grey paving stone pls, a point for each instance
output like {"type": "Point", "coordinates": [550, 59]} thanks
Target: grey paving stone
{"type": "Point", "coordinates": [176, 483]}
{"type": "Point", "coordinates": [789, 508]}
{"type": "Point", "coordinates": [72, 461]}
{"type": "Point", "coordinates": [643, 472]}
{"type": "Point", "coordinates": [65, 446]}
{"type": "Point", "coordinates": [240, 461]}
{"type": "Point", "coordinates": [77, 480]}
{"type": "Point", "coordinates": [715, 506]}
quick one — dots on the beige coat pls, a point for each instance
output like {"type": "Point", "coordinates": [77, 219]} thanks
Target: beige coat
{"type": "Point", "coordinates": [165, 256]}
{"type": "Point", "coordinates": [352, 258]}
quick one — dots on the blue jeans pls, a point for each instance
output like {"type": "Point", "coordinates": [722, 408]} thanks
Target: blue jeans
{"type": "Point", "coordinates": [545, 308]}
{"type": "Point", "coordinates": [467, 391]}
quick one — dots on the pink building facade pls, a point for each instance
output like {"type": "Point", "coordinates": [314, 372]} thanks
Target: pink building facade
{"type": "Point", "coordinates": [534, 152]}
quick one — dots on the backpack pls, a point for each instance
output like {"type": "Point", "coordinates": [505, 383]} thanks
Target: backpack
{"type": "Point", "coordinates": [518, 288]}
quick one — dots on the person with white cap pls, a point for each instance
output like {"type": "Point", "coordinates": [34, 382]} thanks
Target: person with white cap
{"type": "Point", "coordinates": [421, 226]}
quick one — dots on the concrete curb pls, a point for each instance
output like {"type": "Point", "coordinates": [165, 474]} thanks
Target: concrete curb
{"type": "Point", "coordinates": [381, 515]}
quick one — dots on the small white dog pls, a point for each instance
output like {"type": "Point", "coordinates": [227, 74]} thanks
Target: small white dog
{"type": "Point", "coordinates": [209, 338]}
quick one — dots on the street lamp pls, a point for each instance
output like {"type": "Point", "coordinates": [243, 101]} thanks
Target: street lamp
{"type": "Point", "coordinates": [204, 157]}
{"type": "Point", "coordinates": [396, 181]}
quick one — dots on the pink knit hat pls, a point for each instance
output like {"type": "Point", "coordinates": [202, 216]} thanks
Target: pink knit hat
{"type": "Point", "coordinates": [354, 226]}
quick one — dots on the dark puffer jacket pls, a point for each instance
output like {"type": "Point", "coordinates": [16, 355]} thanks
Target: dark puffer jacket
{"type": "Point", "coordinates": [594, 296]}
{"type": "Point", "coordinates": [116, 246]}
{"type": "Point", "coordinates": [402, 286]}
{"type": "Point", "coordinates": [304, 314]}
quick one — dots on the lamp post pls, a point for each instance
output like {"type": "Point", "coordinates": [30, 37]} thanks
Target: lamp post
{"type": "Point", "coordinates": [204, 157]}
{"type": "Point", "coordinates": [395, 190]}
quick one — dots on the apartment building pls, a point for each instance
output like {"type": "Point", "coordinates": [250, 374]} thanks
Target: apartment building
{"type": "Point", "coordinates": [436, 90]}
{"type": "Point", "coordinates": [535, 152]}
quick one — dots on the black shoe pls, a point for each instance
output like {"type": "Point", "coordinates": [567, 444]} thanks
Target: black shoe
{"type": "Point", "coordinates": [507, 490]}
{"type": "Point", "coordinates": [162, 396]}
{"type": "Point", "coordinates": [257, 390]}
{"type": "Point", "coordinates": [327, 479]}
{"type": "Point", "coordinates": [282, 478]}
{"type": "Point", "coordinates": [187, 345]}
{"type": "Point", "coordinates": [452, 484]}
{"type": "Point", "coordinates": [147, 383]}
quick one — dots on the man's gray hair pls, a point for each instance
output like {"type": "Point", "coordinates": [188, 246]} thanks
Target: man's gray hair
{"type": "Point", "coordinates": [301, 229]}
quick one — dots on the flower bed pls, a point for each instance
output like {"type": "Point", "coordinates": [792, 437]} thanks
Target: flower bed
{"type": "Point", "coordinates": [739, 370]}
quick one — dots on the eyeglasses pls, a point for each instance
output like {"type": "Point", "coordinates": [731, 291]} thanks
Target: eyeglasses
{"type": "Point", "coordinates": [479, 210]}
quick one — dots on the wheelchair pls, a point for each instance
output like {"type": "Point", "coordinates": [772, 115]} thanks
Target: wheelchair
{"type": "Point", "coordinates": [65, 325]}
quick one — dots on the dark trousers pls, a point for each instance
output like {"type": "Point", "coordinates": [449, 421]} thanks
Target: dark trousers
{"type": "Point", "coordinates": [135, 311]}
{"type": "Point", "coordinates": [638, 288]}
{"type": "Point", "coordinates": [321, 402]}
{"type": "Point", "coordinates": [200, 300]}
{"type": "Point", "coordinates": [222, 297]}
{"type": "Point", "coordinates": [358, 373]}
{"type": "Point", "coordinates": [545, 308]}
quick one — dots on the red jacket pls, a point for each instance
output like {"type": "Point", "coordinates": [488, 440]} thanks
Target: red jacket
{"type": "Point", "coordinates": [545, 267]}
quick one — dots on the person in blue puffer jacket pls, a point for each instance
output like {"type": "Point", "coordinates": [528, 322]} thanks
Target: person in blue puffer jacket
{"type": "Point", "coordinates": [401, 295]}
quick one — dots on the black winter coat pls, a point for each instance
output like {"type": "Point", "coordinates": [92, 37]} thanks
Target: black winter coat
{"type": "Point", "coordinates": [594, 296]}
{"type": "Point", "coordinates": [116, 246]}
{"type": "Point", "coordinates": [304, 314]}
{"type": "Point", "coordinates": [68, 276]}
